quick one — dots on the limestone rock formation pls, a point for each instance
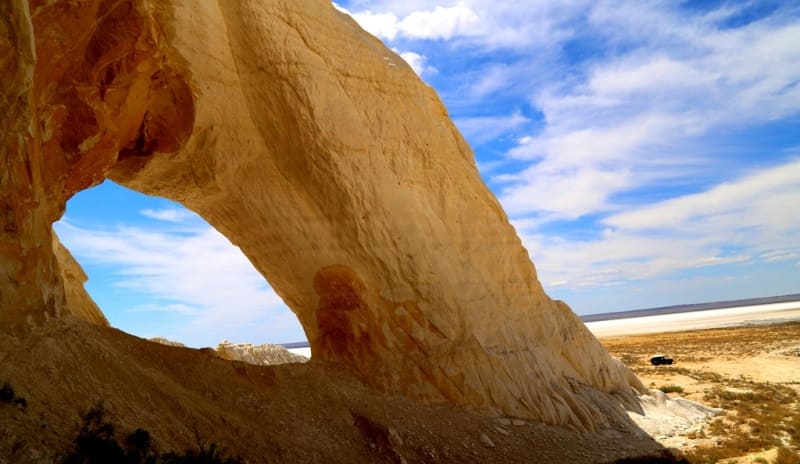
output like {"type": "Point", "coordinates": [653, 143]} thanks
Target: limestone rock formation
{"type": "Point", "coordinates": [263, 355]}
{"type": "Point", "coordinates": [318, 152]}
{"type": "Point", "coordinates": [78, 302]}
{"type": "Point", "coordinates": [260, 355]}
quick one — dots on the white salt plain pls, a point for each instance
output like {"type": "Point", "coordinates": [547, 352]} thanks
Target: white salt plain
{"type": "Point", "coordinates": [773, 313]}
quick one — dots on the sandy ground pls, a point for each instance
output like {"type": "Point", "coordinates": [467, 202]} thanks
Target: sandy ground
{"type": "Point", "coordinates": [714, 318]}
{"type": "Point", "coordinates": [752, 372]}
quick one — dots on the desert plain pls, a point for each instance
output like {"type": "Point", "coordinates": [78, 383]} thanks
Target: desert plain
{"type": "Point", "coordinates": [745, 361]}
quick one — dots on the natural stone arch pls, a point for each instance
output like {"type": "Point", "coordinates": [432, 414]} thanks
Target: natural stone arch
{"type": "Point", "coordinates": [319, 153]}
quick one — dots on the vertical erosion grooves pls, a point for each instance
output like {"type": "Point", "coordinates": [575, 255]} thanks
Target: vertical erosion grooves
{"type": "Point", "coordinates": [29, 283]}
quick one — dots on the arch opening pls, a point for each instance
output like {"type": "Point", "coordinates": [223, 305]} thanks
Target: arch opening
{"type": "Point", "coordinates": [158, 270]}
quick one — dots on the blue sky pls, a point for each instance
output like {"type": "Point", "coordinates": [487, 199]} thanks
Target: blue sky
{"type": "Point", "coordinates": [648, 154]}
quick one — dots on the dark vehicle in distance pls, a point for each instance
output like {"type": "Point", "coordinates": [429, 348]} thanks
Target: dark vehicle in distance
{"type": "Point", "coordinates": [660, 359]}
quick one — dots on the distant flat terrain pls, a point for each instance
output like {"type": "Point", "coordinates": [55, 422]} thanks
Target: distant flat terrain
{"type": "Point", "coordinates": [752, 372]}
{"type": "Point", "coordinates": [731, 313]}
{"type": "Point", "coordinates": [693, 307]}
{"type": "Point", "coordinates": [772, 313]}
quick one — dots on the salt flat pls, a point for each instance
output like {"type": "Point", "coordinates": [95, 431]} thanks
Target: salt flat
{"type": "Point", "coordinates": [707, 319]}
{"type": "Point", "coordinates": [771, 313]}
{"type": "Point", "coordinates": [303, 351]}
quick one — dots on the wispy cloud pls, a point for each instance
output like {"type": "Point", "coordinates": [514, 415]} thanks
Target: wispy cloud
{"type": "Point", "coordinates": [748, 220]}
{"type": "Point", "coordinates": [763, 198]}
{"type": "Point", "coordinates": [482, 129]}
{"type": "Point", "coordinates": [641, 138]}
{"type": "Point", "coordinates": [419, 63]}
{"type": "Point", "coordinates": [644, 116]}
{"type": "Point", "coordinates": [168, 214]}
{"type": "Point", "coordinates": [436, 23]}
{"type": "Point", "coordinates": [191, 272]}
{"type": "Point", "coordinates": [485, 23]}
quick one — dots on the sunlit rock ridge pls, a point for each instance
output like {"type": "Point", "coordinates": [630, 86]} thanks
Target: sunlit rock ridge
{"type": "Point", "coordinates": [318, 152]}
{"type": "Point", "coordinates": [264, 354]}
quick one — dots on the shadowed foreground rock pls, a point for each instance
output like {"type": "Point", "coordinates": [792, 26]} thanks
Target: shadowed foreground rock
{"type": "Point", "coordinates": [318, 152]}
{"type": "Point", "coordinates": [299, 413]}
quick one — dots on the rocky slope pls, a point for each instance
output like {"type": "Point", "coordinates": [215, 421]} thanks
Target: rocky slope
{"type": "Point", "coordinates": [296, 413]}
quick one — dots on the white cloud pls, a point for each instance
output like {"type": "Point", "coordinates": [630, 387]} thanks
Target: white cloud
{"type": "Point", "coordinates": [482, 129]}
{"type": "Point", "coordinates": [484, 23]}
{"type": "Point", "coordinates": [756, 198]}
{"type": "Point", "coordinates": [648, 117]}
{"type": "Point", "coordinates": [384, 25]}
{"type": "Point", "coordinates": [660, 74]}
{"type": "Point", "coordinates": [437, 22]}
{"type": "Point", "coordinates": [168, 214]}
{"type": "Point", "coordinates": [594, 144]}
{"type": "Point", "coordinates": [569, 193]}
{"type": "Point", "coordinates": [780, 255]}
{"type": "Point", "coordinates": [747, 220]}
{"type": "Point", "coordinates": [492, 79]}
{"type": "Point", "coordinates": [192, 272]}
{"type": "Point", "coordinates": [417, 62]}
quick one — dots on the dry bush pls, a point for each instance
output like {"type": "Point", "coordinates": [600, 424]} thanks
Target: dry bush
{"type": "Point", "coordinates": [671, 388]}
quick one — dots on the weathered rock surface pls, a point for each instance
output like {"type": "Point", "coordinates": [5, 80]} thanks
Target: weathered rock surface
{"type": "Point", "coordinates": [670, 419]}
{"type": "Point", "coordinates": [30, 282]}
{"type": "Point", "coordinates": [78, 302]}
{"type": "Point", "coordinates": [262, 355]}
{"type": "Point", "coordinates": [319, 153]}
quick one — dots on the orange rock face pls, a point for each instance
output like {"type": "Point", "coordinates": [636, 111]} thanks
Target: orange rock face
{"type": "Point", "coordinates": [86, 84]}
{"type": "Point", "coordinates": [319, 153]}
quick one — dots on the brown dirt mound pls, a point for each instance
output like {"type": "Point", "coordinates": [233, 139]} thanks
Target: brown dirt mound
{"type": "Point", "coordinates": [296, 413]}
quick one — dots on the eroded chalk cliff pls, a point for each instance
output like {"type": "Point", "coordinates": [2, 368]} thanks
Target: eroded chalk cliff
{"type": "Point", "coordinates": [319, 153]}
{"type": "Point", "coordinates": [261, 355]}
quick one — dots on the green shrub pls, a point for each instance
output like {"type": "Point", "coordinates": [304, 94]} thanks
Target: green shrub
{"type": "Point", "coordinates": [205, 455]}
{"type": "Point", "coordinates": [671, 389]}
{"type": "Point", "coordinates": [6, 393]}
{"type": "Point", "coordinates": [96, 444]}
